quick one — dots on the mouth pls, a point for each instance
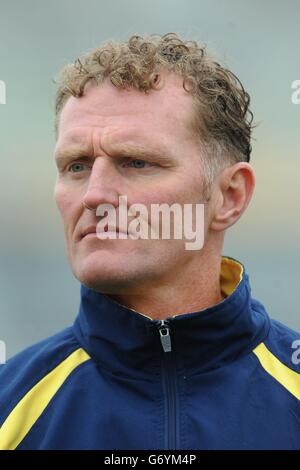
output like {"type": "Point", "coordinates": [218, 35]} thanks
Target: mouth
{"type": "Point", "coordinates": [91, 232]}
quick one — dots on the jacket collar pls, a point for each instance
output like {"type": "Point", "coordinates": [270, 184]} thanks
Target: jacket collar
{"type": "Point", "coordinates": [127, 343]}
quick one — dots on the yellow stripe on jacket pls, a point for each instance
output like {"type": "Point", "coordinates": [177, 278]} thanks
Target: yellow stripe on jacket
{"type": "Point", "coordinates": [31, 406]}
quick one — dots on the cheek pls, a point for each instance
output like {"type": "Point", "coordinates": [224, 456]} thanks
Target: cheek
{"type": "Point", "coordinates": [65, 201]}
{"type": "Point", "coordinates": [158, 194]}
{"type": "Point", "coordinates": [183, 188]}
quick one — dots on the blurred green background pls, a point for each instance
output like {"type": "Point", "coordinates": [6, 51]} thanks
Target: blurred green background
{"type": "Point", "coordinates": [258, 40]}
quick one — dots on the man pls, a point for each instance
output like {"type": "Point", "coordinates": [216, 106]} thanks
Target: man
{"type": "Point", "coordinates": [169, 350]}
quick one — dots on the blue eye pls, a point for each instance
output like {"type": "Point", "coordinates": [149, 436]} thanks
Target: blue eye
{"type": "Point", "coordinates": [78, 165]}
{"type": "Point", "coordinates": [137, 163]}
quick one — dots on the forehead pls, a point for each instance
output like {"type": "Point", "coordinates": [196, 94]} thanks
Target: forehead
{"type": "Point", "coordinates": [128, 113]}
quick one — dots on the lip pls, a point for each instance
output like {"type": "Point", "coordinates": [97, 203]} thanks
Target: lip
{"type": "Point", "coordinates": [89, 230]}
{"type": "Point", "coordinates": [92, 231]}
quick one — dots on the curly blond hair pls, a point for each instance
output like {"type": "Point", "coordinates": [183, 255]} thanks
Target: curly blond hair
{"type": "Point", "coordinates": [221, 116]}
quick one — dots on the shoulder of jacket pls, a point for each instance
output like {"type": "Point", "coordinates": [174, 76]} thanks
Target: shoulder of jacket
{"type": "Point", "coordinates": [26, 369]}
{"type": "Point", "coordinates": [279, 356]}
{"type": "Point", "coordinates": [284, 343]}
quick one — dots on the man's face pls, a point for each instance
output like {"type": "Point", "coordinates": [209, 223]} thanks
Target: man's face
{"type": "Point", "coordinates": [116, 142]}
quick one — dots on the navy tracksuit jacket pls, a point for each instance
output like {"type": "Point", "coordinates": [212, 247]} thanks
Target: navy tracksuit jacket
{"type": "Point", "coordinates": [226, 377]}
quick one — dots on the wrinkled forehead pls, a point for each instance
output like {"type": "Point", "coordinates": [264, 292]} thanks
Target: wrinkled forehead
{"type": "Point", "coordinates": [168, 108]}
{"type": "Point", "coordinates": [111, 140]}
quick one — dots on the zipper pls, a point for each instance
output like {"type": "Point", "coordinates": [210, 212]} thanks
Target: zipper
{"type": "Point", "coordinates": [169, 384]}
{"type": "Point", "coordinates": [165, 338]}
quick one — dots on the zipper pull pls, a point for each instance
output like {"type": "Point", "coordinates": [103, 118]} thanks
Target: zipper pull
{"type": "Point", "coordinates": [165, 337]}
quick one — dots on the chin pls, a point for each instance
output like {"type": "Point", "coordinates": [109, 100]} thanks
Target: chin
{"type": "Point", "coordinates": [111, 275]}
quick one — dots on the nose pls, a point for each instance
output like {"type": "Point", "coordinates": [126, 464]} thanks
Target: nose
{"type": "Point", "coordinates": [102, 184]}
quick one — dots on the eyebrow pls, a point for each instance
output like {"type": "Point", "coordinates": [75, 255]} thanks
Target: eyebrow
{"type": "Point", "coordinates": [64, 156]}
{"type": "Point", "coordinates": [139, 151]}
{"type": "Point", "coordinates": [118, 150]}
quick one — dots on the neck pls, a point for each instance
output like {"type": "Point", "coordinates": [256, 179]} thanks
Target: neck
{"type": "Point", "coordinates": [194, 289]}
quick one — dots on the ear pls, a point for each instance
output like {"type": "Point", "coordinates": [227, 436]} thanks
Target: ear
{"type": "Point", "coordinates": [233, 191]}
